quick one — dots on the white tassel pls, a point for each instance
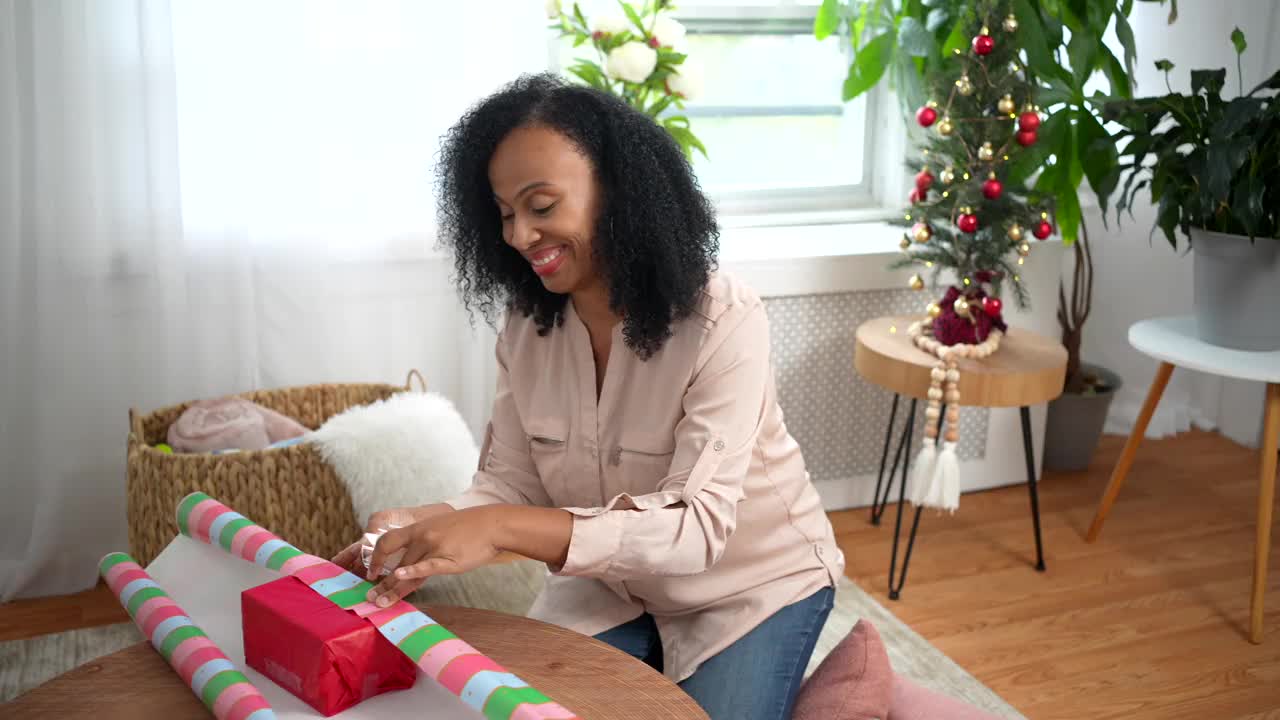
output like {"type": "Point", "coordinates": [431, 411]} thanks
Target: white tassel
{"type": "Point", "coordinates": [922, 473]}
{"type": "Point", "coordinates": [946, 480]}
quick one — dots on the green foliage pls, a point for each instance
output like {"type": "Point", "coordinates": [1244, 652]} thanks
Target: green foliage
{"type": "Point", "coordinates": [914, 40]}
{"type": "Point", "coordinates": [1214, 162]}
{"type": "Point", "coordinates": [653, 97]}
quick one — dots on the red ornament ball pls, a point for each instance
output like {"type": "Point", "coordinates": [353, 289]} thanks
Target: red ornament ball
{"type": "Point", "coordinates": [924, 180]}
{"type": "Point", "coordinates": [1026, 137]}
{"type": "Point", "coordinates": [915, 196]}
{"type": "Point", "coordinates": [1029, 120]}
{"type": "Point", "coordinates": [992, 188]}
{"type": "Point", "coordinates": [967, 222]}
{"type": "Point", "coordinates": [983, 44]}
{"type": "Point", "coordinates": [926, 116]}
{"type": "Point", "coordinates": [1042, 230]}
{"type": "Point", "coordinates": [992, 306]}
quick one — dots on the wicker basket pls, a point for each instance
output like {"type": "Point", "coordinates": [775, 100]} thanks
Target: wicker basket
{"type": "Point", "coordinates": [290, 491]}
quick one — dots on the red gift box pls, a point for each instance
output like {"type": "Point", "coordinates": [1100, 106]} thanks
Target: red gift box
{"type": "Point", "coordinates": [328, 657]}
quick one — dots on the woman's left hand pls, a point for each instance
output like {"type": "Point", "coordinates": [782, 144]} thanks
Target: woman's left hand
{"type": "Point", "coordinates": [445, 544]}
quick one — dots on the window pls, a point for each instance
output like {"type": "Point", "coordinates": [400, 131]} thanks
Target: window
{"type": "Point", "coordinates": [778, 136]}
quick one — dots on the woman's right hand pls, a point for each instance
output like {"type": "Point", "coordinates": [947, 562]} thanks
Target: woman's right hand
{"type": "Point", "coordinates": [382, 521]}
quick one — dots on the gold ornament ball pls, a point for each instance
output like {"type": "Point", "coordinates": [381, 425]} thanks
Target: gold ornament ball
{"type": "Point", "coordinates": [1024, 249]}
{"type": "Point", "coordinates": [964, 85]}
{"type": "Point", "coordinates": [917, 282]}
{"type": "Point", "coordinates": [945, 128]}
{"type": "Point", "coordinates": [1006, 105]}
{"type": "Point", "coordinates": [962, 307]}
{"type": "Point", "coordinates": [947, 176]}
{"type": "Point", "coordinates": [905, 242]}
{"type": "Point", "coordinates": [1011, 23]}
{"type": "Point", "coordinates": [934, 310]}
{"type": "Point", "coordinates": [986, 152]}
{"type": "Point", "coordinates": [922, 233]}
{"type": "Point", "coordinates": [1015, 232]}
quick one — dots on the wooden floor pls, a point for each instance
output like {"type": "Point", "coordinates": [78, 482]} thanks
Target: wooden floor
{"type": "Point", "coordinates": [1148, 622]}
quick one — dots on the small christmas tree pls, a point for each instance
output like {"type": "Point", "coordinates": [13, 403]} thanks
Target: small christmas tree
{"type": "Point", "coordinates": [962, 216]}
{"type": "Point", "coordinates": [964, 219]}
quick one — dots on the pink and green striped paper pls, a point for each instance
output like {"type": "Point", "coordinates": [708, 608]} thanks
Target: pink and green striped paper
{"type": "Point", "coordinates": [477, 680]}
{"type": "Point", "coordinates": [198, 661]}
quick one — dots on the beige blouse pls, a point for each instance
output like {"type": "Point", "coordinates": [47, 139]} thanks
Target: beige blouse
{"type": "Point", "coordinates": [691, 500]}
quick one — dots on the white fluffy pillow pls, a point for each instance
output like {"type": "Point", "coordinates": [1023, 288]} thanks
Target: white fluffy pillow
{"type": "Point", "coordinates": [411, 449]}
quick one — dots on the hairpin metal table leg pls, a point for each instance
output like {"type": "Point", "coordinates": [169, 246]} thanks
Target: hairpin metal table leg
{"type": "Point", "coordinates": [877, 509]}
{"type": "Point", "coordinates": [1029, 449]}
{"type": "Point", "coordinates": [895, 588]}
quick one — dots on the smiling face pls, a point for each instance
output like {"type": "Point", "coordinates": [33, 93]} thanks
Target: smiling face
{"type": "Point", "coordinates": [546, 192]}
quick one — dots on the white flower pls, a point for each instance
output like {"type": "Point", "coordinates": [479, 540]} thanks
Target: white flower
{"type": "Point", "coordinates": [609, 23]}
{"type": "Point", "coordinates": [668, 31]}
{"type": "Point", "coordinates": [632, 61]}
{"type": "Point", "coordinates": [553, 9]}
{"type": "Point", "coordinates": [688, 81]}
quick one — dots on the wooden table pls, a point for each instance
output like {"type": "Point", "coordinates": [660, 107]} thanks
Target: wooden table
{"type": "Point", "coordinates": [1175, 343]}
{"type": "Point", "coordinates": [585, 675]}
{"type": "Point", "coordinates": [1027, 370]}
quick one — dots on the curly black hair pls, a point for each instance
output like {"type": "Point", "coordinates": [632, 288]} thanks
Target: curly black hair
{"type": "Point", "coordinates": [656, 239]}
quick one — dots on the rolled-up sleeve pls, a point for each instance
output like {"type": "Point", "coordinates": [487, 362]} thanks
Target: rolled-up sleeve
{"type": "Point", "coordinates": [506, 473]}
{"type": "Point", "coordinates": [682, 528]}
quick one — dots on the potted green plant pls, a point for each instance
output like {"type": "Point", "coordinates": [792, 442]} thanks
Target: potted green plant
{"type": "Point", "coordinates": [1061, 49]}
{"type": "Point", "coordinates": [1215, 177]}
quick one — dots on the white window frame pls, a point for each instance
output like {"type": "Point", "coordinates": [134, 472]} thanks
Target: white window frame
{"type": "Point", "coordinates": [884, 186]}
{"type": "Point", "coordinates": [868, 199]}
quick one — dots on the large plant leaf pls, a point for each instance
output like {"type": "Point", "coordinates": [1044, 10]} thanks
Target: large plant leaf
{"type": "Point", "coordinates": [1101, 160]}
{"type": "Point", "coordinates": [1211, 81]}
{"type": "Point", "coordinates": [1031, 35]}
{"type": "Point", "coordinates": [868, 66]}
{"type": "Point", "coordinates": [1083, 52]}
{"type": "Point", "coordinates": [1272, 83]}
{"type": "Point", "coordinates": [1222, 161]}
{"type": "Point", "coordinates": [1237, 115]}
{"type": "Point", "coordinates": [958, 39]}
{"type": "Point", "coordinates": [1167, 218]}
{"type": "Point", "coordinates": [913, 39]}
{"type": "Point", "coordinates": [827, 20]}
{"type": "Point", "coordinates": [1247, 203]}
{"type": "Point", "coordinates": [1121, 87]}
{"type": "Point", "coordinates": [1124, 32]}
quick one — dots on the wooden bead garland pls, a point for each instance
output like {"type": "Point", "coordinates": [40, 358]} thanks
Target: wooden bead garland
{"type": "Point", "coordinates": [935, 480]}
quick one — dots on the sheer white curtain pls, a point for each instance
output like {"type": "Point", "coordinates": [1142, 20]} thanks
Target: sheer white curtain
{"type": "Point", "coordinates": [202, 198]}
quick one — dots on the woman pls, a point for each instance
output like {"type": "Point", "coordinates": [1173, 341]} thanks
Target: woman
{"type": "Point", "coordinates": [636, 445]}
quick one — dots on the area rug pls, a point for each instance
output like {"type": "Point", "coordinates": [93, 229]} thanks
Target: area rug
{"type": "Point", "coordinates": [510, 588]}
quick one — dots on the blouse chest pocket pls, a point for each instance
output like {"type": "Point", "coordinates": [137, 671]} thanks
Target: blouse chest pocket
{"type": "Point", "coordinates": [639, 462]}
{"type": "Point", "coordinates": [549, 450]}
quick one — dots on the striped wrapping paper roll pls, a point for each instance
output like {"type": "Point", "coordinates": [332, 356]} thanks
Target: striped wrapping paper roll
{"type": "Point", "coordinates": [212, 676]}
{"type": "Point", "coordinates": [476, 679]}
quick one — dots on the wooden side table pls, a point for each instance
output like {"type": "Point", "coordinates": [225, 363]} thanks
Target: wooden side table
{"type": "Point", "coordinates": [585, 675]}
{"type": "Point", "coordinates": [1027, 370]}
{"type": "Point", "coordinates": [1174, 342]}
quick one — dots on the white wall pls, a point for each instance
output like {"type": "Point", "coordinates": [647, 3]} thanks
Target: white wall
{"type": "Point", "coordinates": [1137, 278]}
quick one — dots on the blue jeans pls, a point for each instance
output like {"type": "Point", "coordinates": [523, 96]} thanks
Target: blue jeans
{"type": "Point", "coordinates": [757, 677]}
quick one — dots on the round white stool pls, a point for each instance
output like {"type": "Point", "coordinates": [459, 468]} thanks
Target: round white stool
{"type": "Point", "coordinates": [1174, 342]}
